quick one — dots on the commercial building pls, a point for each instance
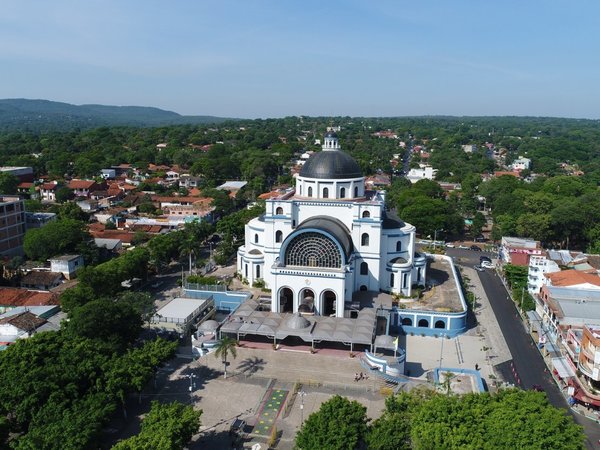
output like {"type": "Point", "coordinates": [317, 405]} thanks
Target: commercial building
{"type": "Point", "coordinates": [12, 225]}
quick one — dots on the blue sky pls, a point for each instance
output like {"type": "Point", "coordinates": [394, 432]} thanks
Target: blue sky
{"type": "Point", "coordinates": [253, 58]}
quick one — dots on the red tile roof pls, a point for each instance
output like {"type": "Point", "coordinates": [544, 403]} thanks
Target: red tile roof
{"type": "Point", "coordinates": [25, 297]}
{"type": "Point", "coordinates": [81, 184]}
{"type": "Point", "coordinates": [572, 278]}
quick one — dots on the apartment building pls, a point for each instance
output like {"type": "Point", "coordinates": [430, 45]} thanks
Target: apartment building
{"type": "Point", "coordinates": [12, 225]}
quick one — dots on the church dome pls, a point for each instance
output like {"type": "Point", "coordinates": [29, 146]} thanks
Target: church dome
{"type": "Point", "coordinates": [331, 165]}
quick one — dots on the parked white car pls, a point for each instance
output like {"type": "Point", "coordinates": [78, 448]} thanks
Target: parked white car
{"type": "Point", "coordinates": [487, 265]}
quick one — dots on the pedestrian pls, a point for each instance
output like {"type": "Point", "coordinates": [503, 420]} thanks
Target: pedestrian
{"type": "Point", "coordinates": [476, 366]}
{"type": "Point", "coordinates": [356, 376]}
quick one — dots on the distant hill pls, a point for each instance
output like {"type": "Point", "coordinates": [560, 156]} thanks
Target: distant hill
{"type": "Point", "coordinates": [18, 114]}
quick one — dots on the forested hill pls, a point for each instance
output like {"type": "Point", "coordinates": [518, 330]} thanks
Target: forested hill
{"type": "Point", "coordinates": [44, 115]}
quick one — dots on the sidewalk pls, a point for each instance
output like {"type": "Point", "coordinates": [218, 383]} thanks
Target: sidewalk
{"type": "Point", "coordinates": [487, 325]}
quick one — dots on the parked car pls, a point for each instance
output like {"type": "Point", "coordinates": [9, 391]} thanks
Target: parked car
{"type": "Point", "coordinates": [487, 265]}
{"type": "Point", "coordinates": [463, 246]}
{"type": "Point", "coordinates": [475, 248]}
{"type": "Point", "coordinates": [479, 268]}
{"type": "Point", "coordinates": [449, 245]}
{"type": "Point", "coordinates": [484, 258]}
{"type": "Point", "coordinates": [480, 239]}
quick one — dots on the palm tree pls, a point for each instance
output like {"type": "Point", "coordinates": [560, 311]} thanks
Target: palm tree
{"type": "Point", "coordinates": [226, 346]}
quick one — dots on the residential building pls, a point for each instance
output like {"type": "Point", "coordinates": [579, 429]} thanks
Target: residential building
{"type": "Point", "coordinates": [83, 188]}
{"type": "Point", "coordinates": [41, 280]}
{"type": "Point", "coordinates": [108, 174]}
{"type": "Point", "coordinates": [521, 163]}
{"type": "Point", "coordinates": [538, 267]}
{"type": "Point", "coordinates": [589, 355]}
{"type": "Point", "coordinates": [48, 191]}
{"type": "Point", "coordinates": [68, 265]}
{"type": "Point", "coordinates": [517, 251]}
{"type": "Point", "coordinates": [329, 238]}
{"type": "Point", "coordinates": [19, 326]}
{"type": "Point", "coordinates": [13, 297]}
{"type": "Point", "coordinates": [573, 279]}
{"type": "Point", "coordinates": [12, 225]}
{"type": "Point", "coordinates": [424, 172]}
{"type": "Point", "coordinates": [188, 181]}
{"type": "Point", "coordinates": [469, 148]}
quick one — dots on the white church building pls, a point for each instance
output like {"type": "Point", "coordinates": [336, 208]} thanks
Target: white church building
{"type": "Point", "coordinates": [320, 243]}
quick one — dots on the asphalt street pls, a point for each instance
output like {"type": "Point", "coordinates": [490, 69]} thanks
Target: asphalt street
{"type": "Point", "coordinates": [529, 365]}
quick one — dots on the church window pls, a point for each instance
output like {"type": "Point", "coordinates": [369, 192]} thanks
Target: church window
{"type": "Point", "coordinates": [310, 191]}
{"type": "Point", "coordinates": [366, 214]}
{"type": "Point", "coordinates": [356, 191]}
{"type": "Point", "coordinates": [399, 246]}
{"type": "Point", "coordinates": [364, 268]}
{"type": "Point", "coordinates": [257, 271]}
{"type": "Point", "coordinates": [313, 249]}
{"type": "Point", "coordinates": [245, 270]}
{"type": "Point", "coordinates": [391, 280]}
{"type": "Point", "coordinates": [364, 240]}
{"type": "Point", "coordinates": [279, 211]}
{"type": "Point", "coordinates": [256, 238]}
{"type": "Point", "coordinates": [325, 193]}
{"type": "Point", "coordinates": [278, 236]}
{"type": "Point", "coordinates": [343, 193]}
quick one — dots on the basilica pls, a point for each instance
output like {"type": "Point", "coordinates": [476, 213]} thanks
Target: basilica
{"type": "Point", "coordinates": [321, 244]}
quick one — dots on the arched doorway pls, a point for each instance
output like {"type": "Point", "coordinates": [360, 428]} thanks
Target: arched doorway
{"type": "Point", "coordinates": [424, 323]}
{"type": "Point", "coordinates": [364, 288]}
{"type": "Point", "coordinates": [440, 324]}
{"type": "Point", "coordinates": [286, 300]}
{"type": "Point", "coordinates": [407, 321]}
{"type": "Point", "coordinates": [328, 299]}
{"type": "Point", "coordinates": [306, 302]}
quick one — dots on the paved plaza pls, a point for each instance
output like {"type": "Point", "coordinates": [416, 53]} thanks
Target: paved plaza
{"type": "Point", "coordinates": [259, 372]}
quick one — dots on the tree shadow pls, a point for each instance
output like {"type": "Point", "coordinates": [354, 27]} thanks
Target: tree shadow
{"type": "Point", "coordinates": [250, 366]}
{"type": "Point", "coordinates": [212, 440]}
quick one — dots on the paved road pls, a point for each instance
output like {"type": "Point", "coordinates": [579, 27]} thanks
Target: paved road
{"type": "Point", "coordinates": [528, 362]}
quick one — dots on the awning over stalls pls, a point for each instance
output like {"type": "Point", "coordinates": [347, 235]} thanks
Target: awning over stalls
{"type": "Point", "coordinates": [562, 367]}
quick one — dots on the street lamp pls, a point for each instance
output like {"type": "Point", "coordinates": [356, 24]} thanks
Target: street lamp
{"type": "Point", "coordinates": [192, 377]}
{"type": "Point", "coordinates": [302, 394]}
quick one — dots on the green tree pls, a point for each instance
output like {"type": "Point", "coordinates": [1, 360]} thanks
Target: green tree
{"type": "Point", "coordinates": [226, 346]}
{"type": "Point", "coordinates": [389, 432]}
{"type": "Point", "coordinates": [340, 424]}
{"type": "Point", "coordinates": [70, 210]}
{"type": "Point", "coordinates": [64, 194]}
{"type": "Point", "coordinates": [8, 183]}
{"type": "Point", "coordinates": [166, 427]}
{"type": "Point", "coordinates": [55, 238]}
{"type": "Point", "coordinates": [115, 322]}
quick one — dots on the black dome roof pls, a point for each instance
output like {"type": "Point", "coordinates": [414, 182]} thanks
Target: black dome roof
{"type": "Point", "coordinates": [333, 164]}
{"type": "Point", "coordinates": [331, 134]}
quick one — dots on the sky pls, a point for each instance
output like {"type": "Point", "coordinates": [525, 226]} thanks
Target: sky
{"type": "Point", "coordinates": [277, 58]}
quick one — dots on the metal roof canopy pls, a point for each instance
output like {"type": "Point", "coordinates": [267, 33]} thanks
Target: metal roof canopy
{"type": "Point", "coordinates": [249, 319]}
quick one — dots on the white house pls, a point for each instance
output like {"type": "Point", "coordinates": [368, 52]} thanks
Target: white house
{"type": "Point", "coordinates": [329, 238]}
{"type": "Point", "coordinates": [424, 172]}
{"type": "Point", "coordinates": [521, 163]}
{"type": "Point", "coordinates": [68, 265]}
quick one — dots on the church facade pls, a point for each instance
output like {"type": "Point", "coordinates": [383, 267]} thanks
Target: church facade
{"type": "Point", "coordinates": [319, 244]}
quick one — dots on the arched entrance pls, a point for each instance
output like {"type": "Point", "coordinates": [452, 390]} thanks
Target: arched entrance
{"type": "Point", "coordinates": [407, 321]}
{"type": "Point", "coordinates": [306, 301]}
{"type": "Point", "coordinates": [328, 300]}
{"type": "Point", "coordinates": [440, 324]}
{"type": "Point", "coordinates": [286, 300]}
{"type": "Point", "coordinates": [424, 323]}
